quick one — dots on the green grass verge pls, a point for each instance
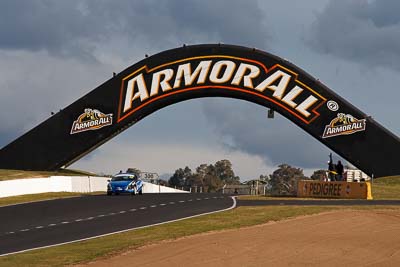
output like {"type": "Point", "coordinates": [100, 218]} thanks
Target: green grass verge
{"type": "Point", "coordinates": [38, 197]}
{"type": "Point", "coordinates": [18, 174]}
{"type": "Point", "coordinates": [386, 188]}
{"type": "Point", "coordinates": [90, 250]}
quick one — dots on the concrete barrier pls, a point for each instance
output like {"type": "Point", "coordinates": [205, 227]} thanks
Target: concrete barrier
{"type": "Point", "coordinates": [82, 184]}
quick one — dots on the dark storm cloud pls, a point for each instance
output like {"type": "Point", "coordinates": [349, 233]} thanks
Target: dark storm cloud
{"type": "Point", "coordinates": [237, 22]}
{"type": "Point", "coordinates": [34, 34]}
{"type": "Point", "coordinates": [362, 31]}
{"type": "Point", "coordinates": [72, 27]}
{"type": "Point", "coordinates": [277, 141]}
{"type": "Point", "coordinates": [57, 27]}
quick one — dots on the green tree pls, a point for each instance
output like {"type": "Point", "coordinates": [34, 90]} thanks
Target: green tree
{"type": "Point", "coordinates": [213, 183]}
{"type": "Point", "coordinates": [223, 170]}
{"type": "Point", "coordinates": [264, 178]}
{"type": "Point", "coordinates": [187, 172]}
{"type": "Point", "coordinates": [194, 180]}
{"type": "Point", "coordinates": [211, 177]}
{"type": "Point", "coordinates": [180, 176]}
{"type": "Point", "coordinates": [135, 171]}
{"type": "Point", "coordinates": [284, 179]}
{"type": "Point", "coordinates": [163, 182]}
{"type": "Point", "coordinates": [319, 175]}
{"type": "Point", "coordinates": [208, 178]}
{"type": "Point", "coordinates": [201, 172]}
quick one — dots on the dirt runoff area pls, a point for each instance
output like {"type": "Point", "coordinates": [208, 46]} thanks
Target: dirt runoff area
{"type": "Point", "coordinates": [340, 238]}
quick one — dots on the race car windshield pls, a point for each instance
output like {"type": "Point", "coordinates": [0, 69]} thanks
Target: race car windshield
{"type": "Point", "coordinates": [122, 178]}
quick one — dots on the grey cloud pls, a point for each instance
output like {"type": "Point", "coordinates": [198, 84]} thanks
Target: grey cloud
{"type": "Point", "coordinates": [384, 13]}
{"type": "Point", "coordinates": [57, 27]}
{"type": "Point", "coordinates": [34, 84]}
{"type": "Point", "coordinates": [95, 38]}
{"type": "Point", "coordinates": [247, 129]}
{"type": "Point", "coordinates": [75, 27]}
{"type": "Point", "coordinates": [361, 31]}
{"type": "Point", "coordinates": [238, 22]}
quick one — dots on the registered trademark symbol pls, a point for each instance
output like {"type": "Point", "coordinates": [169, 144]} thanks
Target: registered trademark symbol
{"type": "Point", "coordinates": [332, 105]}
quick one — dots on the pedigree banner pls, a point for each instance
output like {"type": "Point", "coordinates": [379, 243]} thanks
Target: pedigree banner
{"type": "Point", "coordinates": [349, 190]}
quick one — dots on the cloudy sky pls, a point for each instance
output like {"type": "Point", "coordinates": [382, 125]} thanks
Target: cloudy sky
{"type": "Point", "coordinates": [53, 52]}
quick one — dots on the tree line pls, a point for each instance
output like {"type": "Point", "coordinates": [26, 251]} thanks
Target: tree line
{"type": "Point", "coordinates": [214, 176]}
{"type": "Point", "coordinates": [210, 176]}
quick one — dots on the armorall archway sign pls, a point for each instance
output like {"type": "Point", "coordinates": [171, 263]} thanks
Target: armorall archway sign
{"type": "Point", "coordinates": [206, 71]}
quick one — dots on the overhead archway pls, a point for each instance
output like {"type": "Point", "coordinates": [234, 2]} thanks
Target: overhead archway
{"type": "Point", "coordinates": [206, 71]}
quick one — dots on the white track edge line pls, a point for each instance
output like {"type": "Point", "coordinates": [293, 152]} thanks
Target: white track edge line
{"type": "Point", "coordinates": [122, 231]}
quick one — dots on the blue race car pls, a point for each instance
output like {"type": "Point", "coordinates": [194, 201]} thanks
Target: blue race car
{"type": "Point", "coordinates": [125, 183]}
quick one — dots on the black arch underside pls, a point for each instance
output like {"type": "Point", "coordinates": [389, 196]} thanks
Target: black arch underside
{"type": "Point", "coordinates": [206, 71]}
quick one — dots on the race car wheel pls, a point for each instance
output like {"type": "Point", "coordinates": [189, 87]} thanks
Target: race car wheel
{"type": "Point", "coordinates": [133, 193]}
{"type": "Point", "coordinates": [117, 193]}
{"type": "Point", "coordinates": [140, 192]}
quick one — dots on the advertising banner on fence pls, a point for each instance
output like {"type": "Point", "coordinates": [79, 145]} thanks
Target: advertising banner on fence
{"type": "Point", "coordinates": [321, 189]}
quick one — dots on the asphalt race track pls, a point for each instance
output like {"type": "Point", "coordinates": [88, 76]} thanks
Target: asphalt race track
{"type": "Point", "coordinates": [46, 223]}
